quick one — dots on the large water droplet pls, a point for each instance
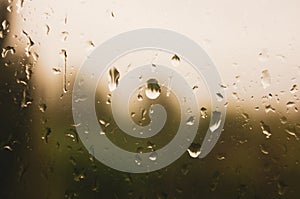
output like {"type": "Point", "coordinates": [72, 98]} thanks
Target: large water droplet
{"type": "Point", "coordinates": [114, 76]}
{"type": "Point", "coordinates": [194, 150]}
{"type": "Point", "coordinates": [152, 89]}
{"type": "Point", "coordinates": [265, 79]}
{"type": "Point", "coordinates": [153, 156]}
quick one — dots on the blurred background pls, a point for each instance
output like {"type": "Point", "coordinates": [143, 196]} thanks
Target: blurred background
{"type": "Point", "coordinates": [255, 46]}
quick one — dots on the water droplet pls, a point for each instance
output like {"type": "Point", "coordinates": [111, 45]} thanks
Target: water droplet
{"type": "Point", "coordinates": [104, 123]}
{"type": "Point", "coordinates": [203, 112]}
{"type": "Point", "coordinates": [263, 56]}
{"type": "Point", "coordinates": [42, 107]}
{"type": "Point", "coordinates": [265, 79]}
{"type": "Point", "coordinates": [194, 150]}
{"type": "Point", "coordinates": [190, 121]}
{"type": "Point", "coordinates": [153, 156]}
{"type": "Point", "coordinates": [114, 76]}
{"type": "Point", "coordinates": [140, 97]}
{"type": "Point", "coordinates": [175, 60]}
{"type": "Point", "coordinates": [269, 108]}
{"type": "Point", "coordinates": [9, 148]}
{"type": "Point", "coordinates": [5, 24]}
{"type": "Point", "coordinates": [215, 121]}
{"type": "Point", "coordinates": [290, 104]}
{"type": "Point", "coordinates": [265, 129]}
{"type": "Point", "coordinates": [138, 159]}
{"type": "Point", "coordinates": [263, 149]}
{"type": "Point", "coordinates": [7, 49]}
{"type": "Point", "coordinates": [281, 188]}
{"type": "Point", "coordinates": [56, 71]}
{"type": "Point", "coordinates": [283, 120]}
{"type": "Point", "coordinates": [9, 8]}
{"type": "Point", "coordinates": [294, 89]}
{"type": "Point", "coordinates": [132, 114]}
{"type": "Point", "coordinates": [219, 97]}
{"type": "Point", "coordinates": [152, 89]}
{"type": "Point", "coordinates": [292, 131]}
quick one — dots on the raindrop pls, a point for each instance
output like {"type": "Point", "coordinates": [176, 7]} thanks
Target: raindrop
{"type": "Point", "coordinates": [263, 56]}
{"type": "Point", "coordinates": [5, 24]}
{"type": "Point", "coordinates": [265, 129]}
{"type": "Point", "coordinates": [265, 79]}
{"type": "Point", "coordinates": [132, 114]}
{"type": "Point", "coordinates": [175, 60]}
{"type": "Point", "coordinates": [281, 186]}
{"type": "Point", "coordinates": [47, 29]}
{"type": "Point", "coordinates": [215, 121]}
{"type": "Point", "coordinates": [194, 150]}
{"type": "Point", "coordinates": [190, 121]}
{"type": "Point", "coordinates": [153, 156]}
{"type": "Point", "coordinates": [7, 49]}
{"type": "Point", "coordinates": [152, 89]}
{"type": "Point", "coordinates": [140, 149]}
{"type": "Point", "coordinates": [294, 89]}
{"type": "Point", "coordinates": [104, 123]}
{"type": "Point", "coordinates": [290, 104]}
{"type": "Point", "coordinates": [42, 107]}
{"type": "Point", "coordinates": [263, 149]}
{"type": "Point", "coordinates": [9, 8]}
{"type": "Point", "coordinates": [292, 131]}
{"type": "Point", "coordinates": [138, 159]}
{"type": "Point", "coordinates": [269, 108]}
{"type": "Point", "coordinates": [8, 148]}
{"type": "Point", "coordinates": [219, 97]}
{"type": "Point", "coordinates": [283, 120]}
{"type": "Point", "coordinates": [114, 76]}
{"type": "Point", "coordinates": [56, 71]}
{"type": "Point", "coordinates": [140, 97]}
{"type": "Point", "coordinates": [108, 101]}
{"type": "Point", "coordinates": [203, 112]}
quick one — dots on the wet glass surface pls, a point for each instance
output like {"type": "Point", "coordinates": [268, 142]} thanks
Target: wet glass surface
{"type": "Point", "coordinates": [254, 46]}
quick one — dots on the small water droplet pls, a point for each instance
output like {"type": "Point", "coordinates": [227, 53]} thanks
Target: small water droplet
{"type": "Point", "coordinates": [265, 129]}
{"type": "Point", "coordinates": [281, 188]}
{"type": "Point", "coordinates": [190, 121]}
{"type": "Point", "coordinates": [138, 159]}
{"type": "Point", "coordinates": [194, 150]}
{"type": "Point", "coordinates": [294, 89]}
{"type": "Point", "coordinates": [132, 114]}
{"type": "Point", "coordinates": [175, 60]}
{"type": "Point", "coordinates": [140, 97]}
{"type": "Point", "coordinates": [215, 121]}
{"type": "Point", "coordinates": [114, 76]}
{"type": "Point", "coordinates": [263, 149]}
{"type": "Point", "coordinates": [42, 107]}
{"type": "Point", "coordinates": [269, 108]}
{"type": "Point", "coordinates": [56, 71]}
{"type": "Point", "coordinates": [219, 97]}
{"type": "Point", "coordinates": [263, 56]}
{"type": "Point", "coordinates": [5, 24]}
{"type": "Point", "coordinates": [265, 79]}
{"type": "Point", "coordinates": [153, 156]}
{"type": "Point", "coordinates": [152, 89]}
